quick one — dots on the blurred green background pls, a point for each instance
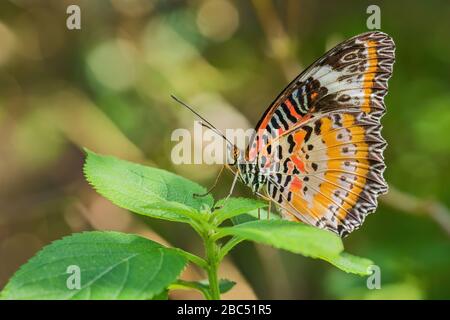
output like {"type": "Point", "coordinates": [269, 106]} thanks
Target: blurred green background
{"type": "Point", "coordinates": [107, 87]}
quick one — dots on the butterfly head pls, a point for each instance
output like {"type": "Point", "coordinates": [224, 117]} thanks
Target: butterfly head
{"type": "Point", "coordinates": [247, 170]}
{"type": "Point", "coordinates": [235, 154]}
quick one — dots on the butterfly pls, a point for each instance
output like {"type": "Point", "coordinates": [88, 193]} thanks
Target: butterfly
{"type": "Point", "coordinates": [317, 151]}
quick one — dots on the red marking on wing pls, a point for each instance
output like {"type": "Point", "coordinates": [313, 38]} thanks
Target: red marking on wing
{"type": "Point", "coordinates": [292, 109]}
{"type": "Point", "coordinates": [296, 184]}
{"type": "Point", "coordinates": [298, 163]}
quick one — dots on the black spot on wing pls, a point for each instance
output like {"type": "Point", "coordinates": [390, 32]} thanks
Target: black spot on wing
{"type": "Point", "coordinates": [288, 114]}
{"type": "Point", "coordinates": [279, 114]}
{"type": "Point", "coordinates": [317, 126]}
{"type": "Point", "coordinates": [308, 131]}
{"type": "Point", "coordinates": [291, 142]}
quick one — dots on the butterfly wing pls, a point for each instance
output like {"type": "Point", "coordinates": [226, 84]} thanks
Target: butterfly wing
{"type": "Point", "coordinates": [320, 140]}
{"type": "Point", "coordinates": [330, 172]}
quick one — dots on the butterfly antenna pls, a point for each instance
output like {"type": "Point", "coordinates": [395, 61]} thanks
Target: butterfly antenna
{"type": "Point", "coordinates": [205, 122]}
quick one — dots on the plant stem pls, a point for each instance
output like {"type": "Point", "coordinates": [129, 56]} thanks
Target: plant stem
{"type": "Point", "coordinates": [212, 258]}
{"type": "Point", "coordinates": [228, 246]}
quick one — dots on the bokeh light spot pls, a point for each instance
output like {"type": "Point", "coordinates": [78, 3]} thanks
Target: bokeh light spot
{"type": "Point", "coordinates": [7, 43]}
{"type": "Point", "coordinates": [112, 64]}
{"type": "Point", "coordinates": [217, 19]}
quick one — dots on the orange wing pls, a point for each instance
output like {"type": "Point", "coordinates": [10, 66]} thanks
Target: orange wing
{"type": "Point", "coordinates": [320, 141]}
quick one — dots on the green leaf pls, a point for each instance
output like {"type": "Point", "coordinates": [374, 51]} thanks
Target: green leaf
{"type": "Point", "coordinates": [288, 235]}
{"type": "Point", "coordinates": [236, 206]}
{"type": "Point", "coordinates": [225, 285]}
{"type": "Point", "coordinates": [352, 264]}
{"type": "Point", "coordinates": [145, 190]}
{"type": "Point", "coordinates": [163, 295]}
{"type": "Point", "coordinates": [299, 238]}
{"type": "Point", "coordinates": [112, 265]}
{"type": "Point", "coordinates": [253, 215]}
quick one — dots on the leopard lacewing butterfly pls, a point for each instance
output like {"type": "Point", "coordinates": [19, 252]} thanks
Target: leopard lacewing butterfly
{"type": "Point", "coordinates": [317, 151]}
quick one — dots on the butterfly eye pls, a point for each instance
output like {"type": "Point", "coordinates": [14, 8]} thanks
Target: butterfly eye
{"type": "Point", "coordinates": [236, 155]}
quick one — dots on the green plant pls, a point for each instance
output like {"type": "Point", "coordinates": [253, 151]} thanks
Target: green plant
{"type": "Point", "coordinates": [116, 265]}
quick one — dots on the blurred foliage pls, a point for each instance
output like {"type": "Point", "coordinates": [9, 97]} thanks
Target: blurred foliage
{"type": "Point", "coordinates": [107, 87]}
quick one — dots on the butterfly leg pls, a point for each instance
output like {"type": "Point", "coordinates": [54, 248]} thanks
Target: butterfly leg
{"type": "Point", "coordinates": [196, 195]}
{"type": "Point", "coordinates": [236, 175]}
{"type": "Point", "coordinates": [269, 200]}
